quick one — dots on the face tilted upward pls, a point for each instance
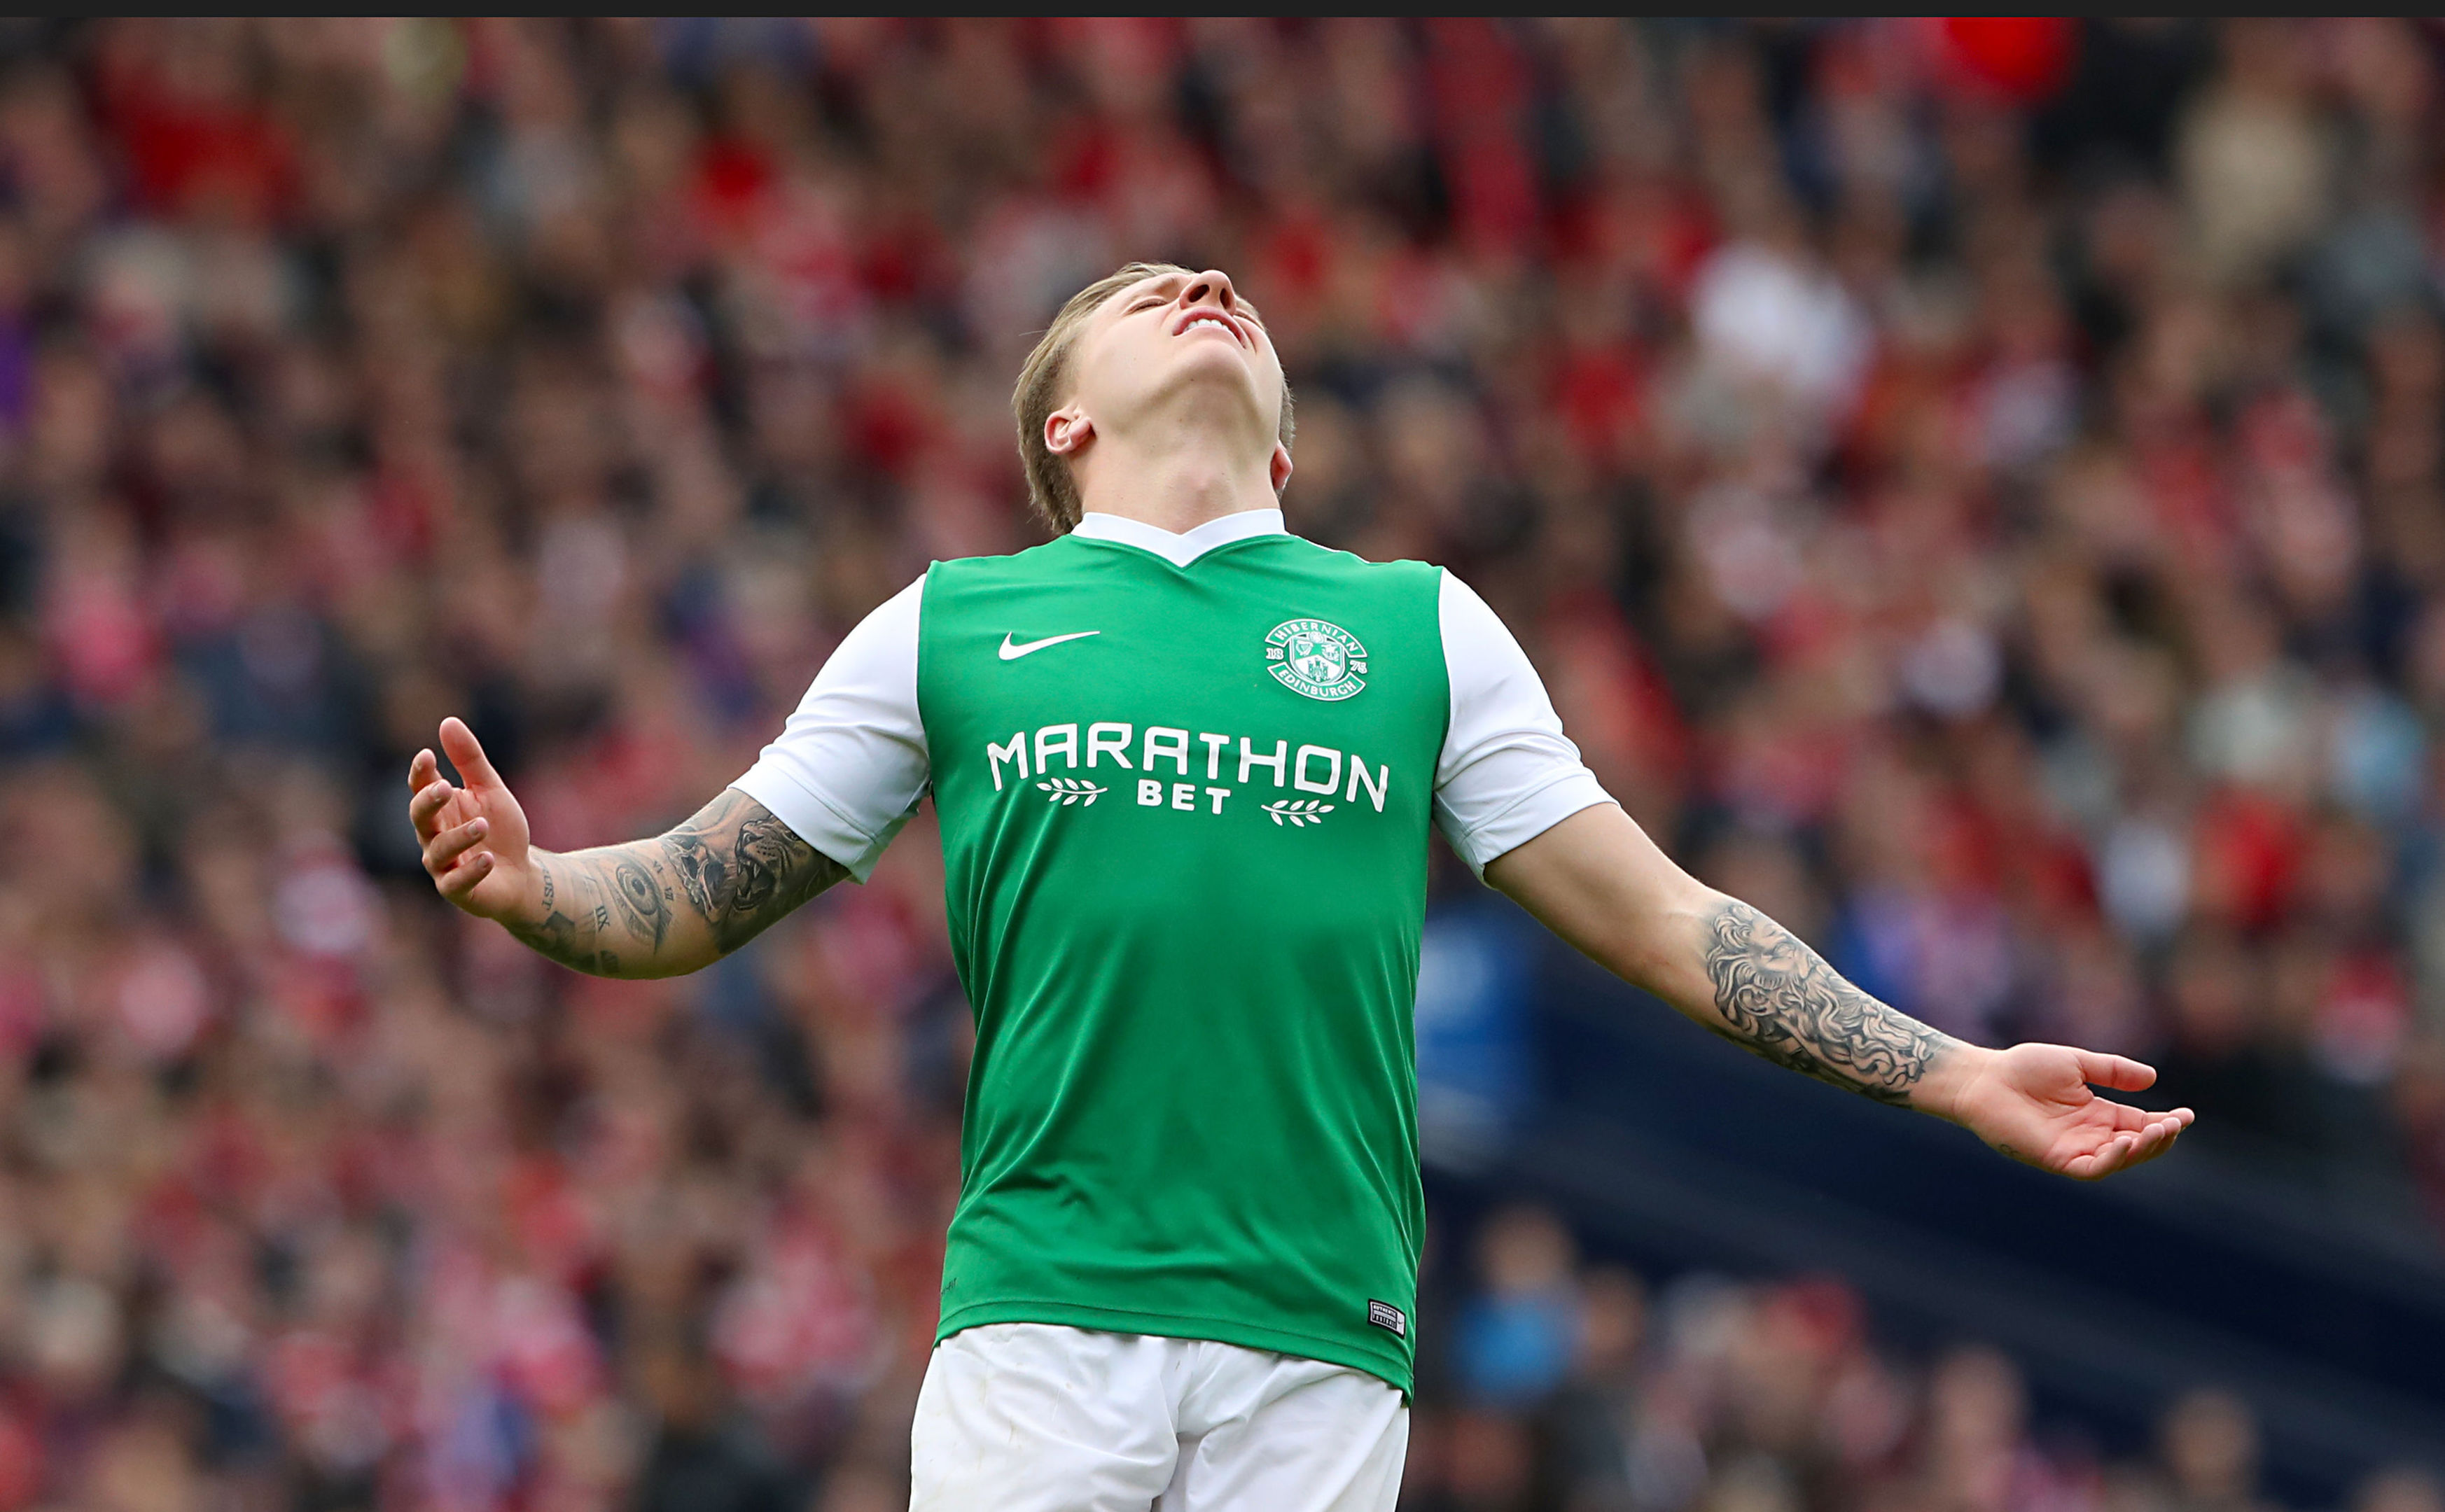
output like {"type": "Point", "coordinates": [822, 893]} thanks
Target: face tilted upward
{"type": "Point", "coordinates": [1173, 338]}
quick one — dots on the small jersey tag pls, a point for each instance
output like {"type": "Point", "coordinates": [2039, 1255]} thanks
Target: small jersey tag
{"type": "Point", "coordinates": [1384, 1315]}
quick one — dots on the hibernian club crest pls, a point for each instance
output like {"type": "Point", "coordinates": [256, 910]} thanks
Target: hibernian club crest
{"type": "Point", "coordinates": [1315, 658]}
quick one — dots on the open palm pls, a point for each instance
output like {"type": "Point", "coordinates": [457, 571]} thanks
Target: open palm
{"type": "Point", "coordinates": [2035, 1103]}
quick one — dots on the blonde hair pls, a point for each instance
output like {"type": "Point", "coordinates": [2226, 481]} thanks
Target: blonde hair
{"type": "Point", "coordinates": [1044, 380]}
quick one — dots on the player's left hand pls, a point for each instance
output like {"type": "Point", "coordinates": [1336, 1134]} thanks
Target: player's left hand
{"type": "Point", "coordinates": [2035, 1104]}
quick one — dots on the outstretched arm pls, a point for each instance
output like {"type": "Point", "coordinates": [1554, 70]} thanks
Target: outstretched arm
{"type": "Point", "coordinates": [656, 908]}
{"type": "Point", "coordinates": [1597, 880]}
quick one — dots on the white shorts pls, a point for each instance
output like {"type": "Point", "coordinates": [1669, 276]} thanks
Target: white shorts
{"type": "Point", "coordinates": [1035, 1418]}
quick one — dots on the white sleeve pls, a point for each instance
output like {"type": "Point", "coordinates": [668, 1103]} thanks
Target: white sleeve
{"type": "Point", "coordinates": [1507, 774]}
{"type": "Point", "coordinates": [851, 764]}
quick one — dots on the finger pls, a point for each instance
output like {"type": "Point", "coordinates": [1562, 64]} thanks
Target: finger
{"type": "Point", "coordinates": [421, 769]}
{"type": "Point", "coordinates": [424, 810]}
{"type": "Point", "coordinates": [467, 754]}
{"type": "Point", "coordinates": [2152, 1142]}
{"type": "Point", "coordinates": [2127, 1119]}
{"type": "Point", "coordinates": [461, 879]}
{"type": "Point", "coordinates": [2125, 1146]}
{"type": "Point", "coordinates": [446, 847]}
{"type": "Point", "coordinates": [2104, 1160]}
{"type": "Point", "coordinates": [2158, 1139]}
{"type": "Point", "coordinates": [2120, 1072]}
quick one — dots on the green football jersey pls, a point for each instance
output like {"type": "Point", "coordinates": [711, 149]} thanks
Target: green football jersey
{"type": "Point", "coordinates": [1184, 816]}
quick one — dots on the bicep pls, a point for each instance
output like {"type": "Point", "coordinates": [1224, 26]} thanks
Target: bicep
{"type": "Point", "coordinates": [850, 765]}
{"type": "Point", "coordinates": [1599, 882]}
{"type": "Point", "coordinates": [740, 866]}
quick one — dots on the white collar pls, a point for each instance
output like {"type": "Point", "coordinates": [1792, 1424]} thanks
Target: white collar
{"type": "Point", "coordinates": [1186, 546]}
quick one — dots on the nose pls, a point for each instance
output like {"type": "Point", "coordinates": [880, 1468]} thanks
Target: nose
{"type": "Point", "coordinates": [1212, 286]}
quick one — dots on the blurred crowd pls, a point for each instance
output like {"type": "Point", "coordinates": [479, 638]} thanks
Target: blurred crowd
{"type": "Point", "coordinates": [1974, 488]}
{"type": "Point", "coordinates": [1557, 1385]}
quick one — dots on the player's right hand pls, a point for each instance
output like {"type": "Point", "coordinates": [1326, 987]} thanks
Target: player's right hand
{"type": "Point", "coordinates": [474, 837]}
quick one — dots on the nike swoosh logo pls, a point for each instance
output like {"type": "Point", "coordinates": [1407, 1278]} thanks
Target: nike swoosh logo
{"type": "Point", "coordinates": [1011, 653]}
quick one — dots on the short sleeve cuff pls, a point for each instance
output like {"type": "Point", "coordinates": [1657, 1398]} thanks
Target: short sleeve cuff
{"type": "Point", "coordinates": [1536, 812]}
{"type": "Point", "coordinates": [813, 820]}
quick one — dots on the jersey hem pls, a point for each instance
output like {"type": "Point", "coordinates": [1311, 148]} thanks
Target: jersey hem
{"type": "Point", "coordinates": [1167, 1325]}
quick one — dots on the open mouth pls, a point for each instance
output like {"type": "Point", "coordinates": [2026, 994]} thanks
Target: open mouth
{"type": "Point", "coordinates": [1202, 318]}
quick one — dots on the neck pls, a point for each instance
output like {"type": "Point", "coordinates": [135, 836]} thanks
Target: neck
{"type": "Point", "coordinates": [1189, 478]}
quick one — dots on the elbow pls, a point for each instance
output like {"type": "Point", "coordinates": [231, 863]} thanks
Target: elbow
{"type": "Point", "coordinates": [1667, 957]}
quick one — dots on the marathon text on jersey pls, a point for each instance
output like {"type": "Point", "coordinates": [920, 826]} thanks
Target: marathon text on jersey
{"type": "Point", "coordinates": [1176, 750]}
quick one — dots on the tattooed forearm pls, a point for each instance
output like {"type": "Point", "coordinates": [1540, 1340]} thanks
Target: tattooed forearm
{"type": "Point", "coordinates": [670, 904]}
{"type": "Point", "coordinates": [592, 910]}
{"type": "Point", "coordinates": [644, 902]}
{"type": "Point", "coordinates": [741, 868]}
{"type": "Point", "coordinates": [1778, 998]}
{"type": "Point", "coordinates": [555, 934]}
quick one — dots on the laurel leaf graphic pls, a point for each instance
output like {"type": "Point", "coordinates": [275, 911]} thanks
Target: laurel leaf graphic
{"type": "Point", "coordinates": [1297, 813]}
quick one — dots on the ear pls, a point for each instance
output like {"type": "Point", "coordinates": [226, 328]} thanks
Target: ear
{"type": "Point", "coordinates": [1281, 467]}
{"type": "Point", "coordinates": [1067, 431]}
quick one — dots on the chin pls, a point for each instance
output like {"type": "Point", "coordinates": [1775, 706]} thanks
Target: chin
{"type": "Point", "coordinates": [1212, 352]}
{"type": "Point", "coordinates": [1215, 367]}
